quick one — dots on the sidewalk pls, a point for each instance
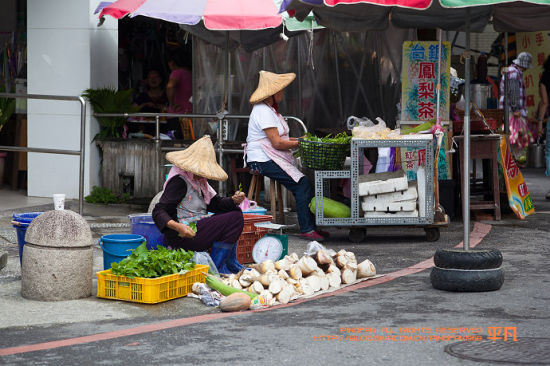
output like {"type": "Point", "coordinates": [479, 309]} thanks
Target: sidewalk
{"type": "Point", "coordinates": [388, 249]}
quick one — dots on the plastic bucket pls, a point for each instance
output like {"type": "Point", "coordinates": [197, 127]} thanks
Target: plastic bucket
{"type": "Point", "coordinates": [116, 247]}
{"type": "Point", "coordinates": [143, 224]}
{"type": "Point", "coordinates": [21, 222]}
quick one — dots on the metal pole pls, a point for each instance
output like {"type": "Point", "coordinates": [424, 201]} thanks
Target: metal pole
{"type": "Point", "coordinates": [506, 100]}
{"type": "Point", "coordinates": [299, 76]}
{"type": "Point", "coordinates": [82, 149]}
{"type": "Point", "coordinates": [438, 114]}
{"type": "Point", "coordinates": [157, 153]}
{"type": "Point", "coordinates": [466, 152]}
{"type": "Point", "coordinates": [338, 85]}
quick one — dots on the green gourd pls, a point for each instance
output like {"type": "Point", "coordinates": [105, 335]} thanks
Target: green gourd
{"type": "Point", "coordinates": [332, 208]}
{"type": "Point", "coordinates": [224, 289]}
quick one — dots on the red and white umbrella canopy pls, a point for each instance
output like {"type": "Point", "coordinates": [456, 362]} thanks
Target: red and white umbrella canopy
{"type": "Point", "coordinates": [216, 14]}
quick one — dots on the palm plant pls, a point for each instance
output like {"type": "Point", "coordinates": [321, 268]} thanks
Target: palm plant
{"type": "Point", "coordinates": [110, 100]}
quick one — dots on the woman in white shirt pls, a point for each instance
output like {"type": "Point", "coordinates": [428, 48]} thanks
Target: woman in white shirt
{"type": "Point", "coordinates": [268, 147]}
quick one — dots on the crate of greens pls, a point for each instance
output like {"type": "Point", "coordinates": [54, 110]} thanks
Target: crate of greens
{"type": "Point", "coordinates": [327, 153]}
{"type": "Point", "coordinates": [151, 276]}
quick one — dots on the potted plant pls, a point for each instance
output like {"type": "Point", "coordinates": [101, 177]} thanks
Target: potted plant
{"type": "Point", "coordinates": [110, 100]}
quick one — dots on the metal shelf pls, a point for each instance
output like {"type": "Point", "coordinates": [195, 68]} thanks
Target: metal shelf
{"type": "Point", "coordinates": [357, 147]}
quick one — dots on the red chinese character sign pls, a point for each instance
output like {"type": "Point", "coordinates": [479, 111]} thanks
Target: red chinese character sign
{"type": "Point", "coordinates": [419, 81]}
{"type": "Point", "coordinates": [538, 45]}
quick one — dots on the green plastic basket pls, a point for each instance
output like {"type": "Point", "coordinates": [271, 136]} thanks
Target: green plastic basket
{"type": "Point", "coordinates": [323, 155]}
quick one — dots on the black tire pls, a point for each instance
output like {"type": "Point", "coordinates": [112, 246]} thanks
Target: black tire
{"type": "Point", "coordinates": [468, 259]}
{"type": "Point", "coordinates": [357, 235]}
{"type": "Point", "coordinates": [432, 233]}
{"type": "Point", "coordinates": [460, 280]}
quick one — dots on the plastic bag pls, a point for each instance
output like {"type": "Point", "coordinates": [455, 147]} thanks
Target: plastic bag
{"type": "Point", "coordinates": [313, 247]}
{"type": "Point", "coordinates": [207, 296]}
{"type": "Point", "coordinates": [204, 258]}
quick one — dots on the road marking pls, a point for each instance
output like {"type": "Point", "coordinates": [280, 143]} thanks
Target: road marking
{"type": "Point", "coordinates": [478, 233]}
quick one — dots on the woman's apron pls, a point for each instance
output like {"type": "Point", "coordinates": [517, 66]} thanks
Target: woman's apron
{"type": "Point", "coordinates": [283, 158]}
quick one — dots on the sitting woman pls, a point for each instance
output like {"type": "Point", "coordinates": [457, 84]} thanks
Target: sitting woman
{"type": "Point", "coordinates": [268, 147]}
{"type": "Point", "coordinates": [188, 198]}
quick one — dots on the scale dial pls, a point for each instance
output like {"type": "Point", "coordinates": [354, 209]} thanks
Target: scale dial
{"type": "Point", "coordinates": [266, 248]}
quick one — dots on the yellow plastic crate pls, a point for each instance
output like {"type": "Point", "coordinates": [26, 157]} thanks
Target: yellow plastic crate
{"type": "Point", "coordinates": [148, 290]}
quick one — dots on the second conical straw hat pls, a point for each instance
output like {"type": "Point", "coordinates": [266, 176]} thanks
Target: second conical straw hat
{"type": "Point", "coordinates": [199, 159]}
{"type": "Point", "coordinates": [269, 84]}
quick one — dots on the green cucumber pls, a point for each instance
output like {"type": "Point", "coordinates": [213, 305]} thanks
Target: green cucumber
{"type": "Point", "coordinates": [224, 289]}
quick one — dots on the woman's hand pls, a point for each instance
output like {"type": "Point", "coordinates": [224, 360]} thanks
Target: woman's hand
{"type": "Point", "coordinates": [238, 198]}
{"type": "Point", "coordinates": [183, 230]}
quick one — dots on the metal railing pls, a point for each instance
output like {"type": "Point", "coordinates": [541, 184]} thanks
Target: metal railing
{"type": "Point", "coordinates": [79, 152]}
{"type": "Point", "coordinates": [222, 117]}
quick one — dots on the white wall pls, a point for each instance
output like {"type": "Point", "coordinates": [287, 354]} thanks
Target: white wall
{"type": "Point", "coordinates": [67, 53]}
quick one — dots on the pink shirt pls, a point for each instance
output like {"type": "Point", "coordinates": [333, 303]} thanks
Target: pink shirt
{"type": "Point", "coordinates": [184, 90]}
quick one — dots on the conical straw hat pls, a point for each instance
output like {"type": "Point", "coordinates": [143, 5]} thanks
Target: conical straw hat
{"type": "Point", "coordinates": [269, 84]}
{"type": "Point", "coordinates": [199, 159]}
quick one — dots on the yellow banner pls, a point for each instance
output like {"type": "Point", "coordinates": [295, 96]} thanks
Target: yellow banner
{"type": "Point", "coordinates": [538, 45]}
{"type": "Point", "coordinates": [519, 197]}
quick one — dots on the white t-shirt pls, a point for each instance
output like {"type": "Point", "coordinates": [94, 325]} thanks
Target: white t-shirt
{"type": "Point", "coordinates": [261, 117]}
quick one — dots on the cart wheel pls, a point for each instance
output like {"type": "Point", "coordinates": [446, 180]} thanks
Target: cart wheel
{"type": "Point", "coordinates": [432, 233]}
{"type": "Point", "coordinates": [357, 235]}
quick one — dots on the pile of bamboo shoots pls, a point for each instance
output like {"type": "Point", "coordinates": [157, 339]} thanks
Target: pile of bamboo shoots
{"type": "Point", "coordinates": [292, 277]}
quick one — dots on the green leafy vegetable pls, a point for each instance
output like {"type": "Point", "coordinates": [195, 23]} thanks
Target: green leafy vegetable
{"type": "Point", "coordinates": [240, 187]}
{"type": "Point", "coordinates": [193, 226]}
{"type": "Point", "coordinates": [154, 263]}
{"type": "Point", "coordinates": [341, 138]}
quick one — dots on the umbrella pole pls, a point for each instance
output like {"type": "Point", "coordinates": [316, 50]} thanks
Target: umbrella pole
{"type": "Point", "coordinates": [506, 100]}
{"type": "Point", "coordinates": [466, 150]}
{"type": "Point", "coordinates": [438, 115]}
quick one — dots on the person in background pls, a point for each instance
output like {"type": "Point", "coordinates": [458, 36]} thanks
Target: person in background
{"type": "Point", "coordinates": [520, 136]}
{"type": "Point", "coordinates": [544, 112]}
{"type": "Point", "coordinates": [268, 145]}
{"type": "Point", "coordinates": [188, 198]}
{"type": "Point", "coordinates": [179, 88]}
{"type": "Point", "coordinates": [154, 99]}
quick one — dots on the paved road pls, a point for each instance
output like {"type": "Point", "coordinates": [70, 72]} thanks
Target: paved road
{"type": "Point", "coordinates": [184, 332]}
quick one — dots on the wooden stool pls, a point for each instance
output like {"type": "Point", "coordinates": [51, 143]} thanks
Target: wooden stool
{"type": "Point", "coordinates": [275, 193]}
{"type": "Point", "coordinates": [483, 147]}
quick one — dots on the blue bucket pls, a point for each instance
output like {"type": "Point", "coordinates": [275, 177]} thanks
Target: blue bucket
{"type": "Point", "coordinates": [143, 224]}
{"type": "Point", "coordinates": [21, 222]}
{"type": "Point", "coordinates": [116, 247]}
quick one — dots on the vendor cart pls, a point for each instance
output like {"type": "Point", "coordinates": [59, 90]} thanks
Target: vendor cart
{"type": "Point", "coordinates": [423, 145]}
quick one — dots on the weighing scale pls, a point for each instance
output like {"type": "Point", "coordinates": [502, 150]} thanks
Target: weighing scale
{"type": "Point", "coordinates": [271, 246]}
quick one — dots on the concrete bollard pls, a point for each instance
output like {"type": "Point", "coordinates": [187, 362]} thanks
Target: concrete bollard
{"type": "Point", "coordinates": [58, 258]}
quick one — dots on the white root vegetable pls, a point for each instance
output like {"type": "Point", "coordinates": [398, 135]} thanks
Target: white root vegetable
{"type": "Point", "coordinates": [266, 279]}
{"type": "Point", "coordinates": [307, 265]}
{"type": "Point", "coordinates": [295, 272]}
{"type": "Point", "coordinates": [307, 289]}
{"type": "Point", "coordinates": [256, 287]}
{"type": "Point", "coordinates": [319, 272]}
{"type": "Point", "coordinates": [265, 266]}
{"type": "Point", "coordinates": [350, 256]}
{"type": "Point", "coordinates": [284, 295]}
{"type": "Point", "coordinates": [232, 277]}
{"type": "Point", "coordinates": [266, 294]}
{"type": "Point", "coordinates": [348, 276]}
{"type": "Point", "coordinates": [321, 257]}
{"type": "Point", "coordinates": [365, 269]}
{"type": "Point", "coordinates": [275, 286]}
{"type": "Point", "coordinates": [291, 281]}
{"type": "Point", "coordinates": [334, 279]}
{"type": "Point", "coordinates": [244, 281]}
{"type": "Point", "coordinates": [283, 274]}
{"type": "Point", "coordinates": [236, 284]}
{"type": "Point", "coordinates": [324, 283]}
{"type": "Point", "coordinates": [253, 274]}
{"type": "Point", "coordinates": [314, 282]}
{"type": "Point", "coordinates": [351, 265]}
{"type": "Point", "coordinates": [334, 269]}
{"type": "Point", "coordinates": [292, 258]}
{"type": "Point", "coordinates": [341, 260]}
{"type": "Point", "coordinates": [283, 264]}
